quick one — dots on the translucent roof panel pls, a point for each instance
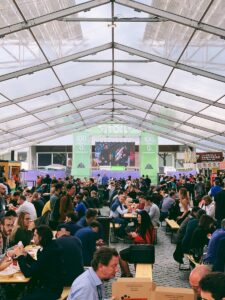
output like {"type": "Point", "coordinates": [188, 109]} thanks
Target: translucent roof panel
{"type": "Point", "coordinates": [186, 8]}
{"type": "Point", "coordinates": [28, 84]}
{"type": "Point", "coordinates": [170, 112]}
{"type": "Point", "coordinates": [163, 122]}
{"type": "Point", "coordinates": [73, 71]}
{"type": "Point", "coordinates": [69, 38]}
{"type": "Point", "coordinates": [215, 112]}
{"type": "Point", "coordinates": [196, 131]}
{"type": "Point", "coordinates": [155, 37]}
{"type": "Point", "coordinates": [131, 100]}
{"type": "Point", "coordinates": [153, 71]}
{"type": "Point", "coordinates": [181, 102]}
{"type": "Point", "coordinates": [197, 85]}
{"type": "Point", "coordinates": [67, 119]}
{"type": "Point", "coordinates": [2, 99]}
{"type": "Point", "coordinates": [36, 8]}
{"type": "Point", "coordinates": [92, 101]}
{"type": "Point", "coordinates": [55, 111]}
{"type": "Point", "coordinates": [185, 136]}
{"type": "Point", "coordinates": [219, 139]}
{"type": "Point", "coordinates": [211, 144]}
{"type": "Point", "coordinates": [7, 136]}
{"type": "Point", "coordinates": [8, 14]}
{"type": "Point", "coordinates": [141, 90]}
{"type": "Point", "coordinates": [19, 122]}
{"type": "Point", "coordinates": [215, 15]}
{"type": "Point", "coordinates": [86, 89]}
{"type": "Point", "coordinates": [32, 129]}
{"type": "Point", "coordinates": [54, 98]}
{"type": "Point", "coordinates": [207, 124]}
{"type": "Point", "coordinates": [204, 52]}
{"type": "Point", "coordinates": [19, 51]}
{"type": "Point", "coordinates": [10, 111]}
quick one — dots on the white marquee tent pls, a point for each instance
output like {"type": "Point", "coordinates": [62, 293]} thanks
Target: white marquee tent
{"type": "Point", "coordinates": [156, 65]}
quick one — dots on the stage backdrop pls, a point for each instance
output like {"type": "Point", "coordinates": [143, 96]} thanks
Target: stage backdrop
{"type": "Point", "coordinates": [148, 149]}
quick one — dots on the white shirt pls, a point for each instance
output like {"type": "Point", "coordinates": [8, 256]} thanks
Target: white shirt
{"type": "Point", "coordinates": [29, 208]}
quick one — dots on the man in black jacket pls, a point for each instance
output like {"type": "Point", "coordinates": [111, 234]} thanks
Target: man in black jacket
{"type": "Point", "coordinates": [72, 254]}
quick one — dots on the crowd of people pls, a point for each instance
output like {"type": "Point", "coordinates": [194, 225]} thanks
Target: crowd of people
{"type": "Point", "coordinates": [71, 208]}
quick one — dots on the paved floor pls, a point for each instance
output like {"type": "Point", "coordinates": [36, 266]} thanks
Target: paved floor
{"type": "Point", "coordinates": [165, 271]}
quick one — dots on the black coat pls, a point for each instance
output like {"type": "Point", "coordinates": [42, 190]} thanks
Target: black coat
{"type": "Point", "coordinates": [72, 258]}
{"type": "Point", "coordinates": [47, 270]}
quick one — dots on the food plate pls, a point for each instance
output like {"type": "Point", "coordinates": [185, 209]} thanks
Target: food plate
{"type": "Point", "coordinates": [10, 271]}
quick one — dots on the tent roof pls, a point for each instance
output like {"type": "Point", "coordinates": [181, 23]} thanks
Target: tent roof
{"type": "Point", "coordinates": [155, 65]}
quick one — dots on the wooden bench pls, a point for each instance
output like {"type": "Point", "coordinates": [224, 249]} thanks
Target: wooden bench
{"type": "Point", "coordinates": [65, 293]}
{"type": "Point", "coordinates": [114, 225]}
{"type": "Point", "coordinates": [173, 226]}
{"type": "Point", "coordinates": [144, 271]}
{"type": "Point", "coordinates": [112, 236]}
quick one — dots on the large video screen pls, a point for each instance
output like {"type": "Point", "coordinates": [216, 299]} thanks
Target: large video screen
{"type": "Point", "coordinates": [114, 154]}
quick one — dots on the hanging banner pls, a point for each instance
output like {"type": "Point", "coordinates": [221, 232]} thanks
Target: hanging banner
{"type": "Point", "coordinates": [149, 156]}
{"type": "Point", "coordinates": [81, 155]}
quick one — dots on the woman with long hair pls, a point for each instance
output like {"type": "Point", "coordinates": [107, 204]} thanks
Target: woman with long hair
{"type": "Point", "coordinates": [199, 237]}
{"type": "Point", "coordinates": [23, 230]}
{"type": "Point", "coordinates": [144, 234]}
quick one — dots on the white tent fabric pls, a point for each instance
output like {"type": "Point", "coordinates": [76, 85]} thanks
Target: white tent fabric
{"type": "Point", "coordinates": [156, 65]}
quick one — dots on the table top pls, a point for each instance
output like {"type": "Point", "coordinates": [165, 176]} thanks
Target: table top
{"type": "Point", "coordinates": [130, 215]}
{"type": "Point", "coordinates": [14, 278]}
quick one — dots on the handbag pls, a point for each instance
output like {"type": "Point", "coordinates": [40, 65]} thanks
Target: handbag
{"type": "Point", "coordinates": [142, 253]}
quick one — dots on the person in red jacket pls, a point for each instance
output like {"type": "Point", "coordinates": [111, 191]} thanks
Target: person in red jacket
{"type": "Point", "coordinates": [144, 234]}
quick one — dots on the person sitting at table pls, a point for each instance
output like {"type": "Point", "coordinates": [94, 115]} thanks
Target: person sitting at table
{"type": "Point", "coordinates": [71, 221]}
{"type": "Point", "coordinates": [199, 238]}
{"type": "Point", "coordinates": [71, 252]}
{"type": "Point", "coordinates": [88, 236]}
{"type": "Point", "coordinates": [5, 262]}
{"type": "Point", "coordinates": [144, 234]}
{"type": "Point", "coordinates": [6, 229]}
{"type": "Point", "coordinates": [153, 210]}
{"type": "Point", "coordinates": [26, 206]}
{"type": "Point", "coordinates": [90, 216]}
{"type": "Point", "coordinates": [47, 270]}
{"type": "Point", "coordinates": [23, 230]}
{"type": "Point", "coordinates": [117, 211]}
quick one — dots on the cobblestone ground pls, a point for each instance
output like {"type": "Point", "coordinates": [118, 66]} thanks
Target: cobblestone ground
{"type": "Point", "coordinates": [165, 271]}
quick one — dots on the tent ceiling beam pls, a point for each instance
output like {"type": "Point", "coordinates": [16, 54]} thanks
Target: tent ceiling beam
{"type": "Point", "coordinates": [169, 90]}
{"type": "Point", "coordinates": [173, 137]}
{"type": "Point", "coordinates": [173, 17]}
{"type": "Point", "coordinates": [55, 62]}
{"type": "Point", "coordinates": [170, 118]}
{"type": "Point", "coordinates": [167, 105]}
{"type": "Point", "coordinates": [57, 89]}
{"type": "Point", "coordinates": [75, 9]}
{"type": "Point", "coordinates": [168, 62]}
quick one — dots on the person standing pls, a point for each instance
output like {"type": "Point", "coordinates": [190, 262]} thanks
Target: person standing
{"type": "Point", "coordinates": [220, 206]}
